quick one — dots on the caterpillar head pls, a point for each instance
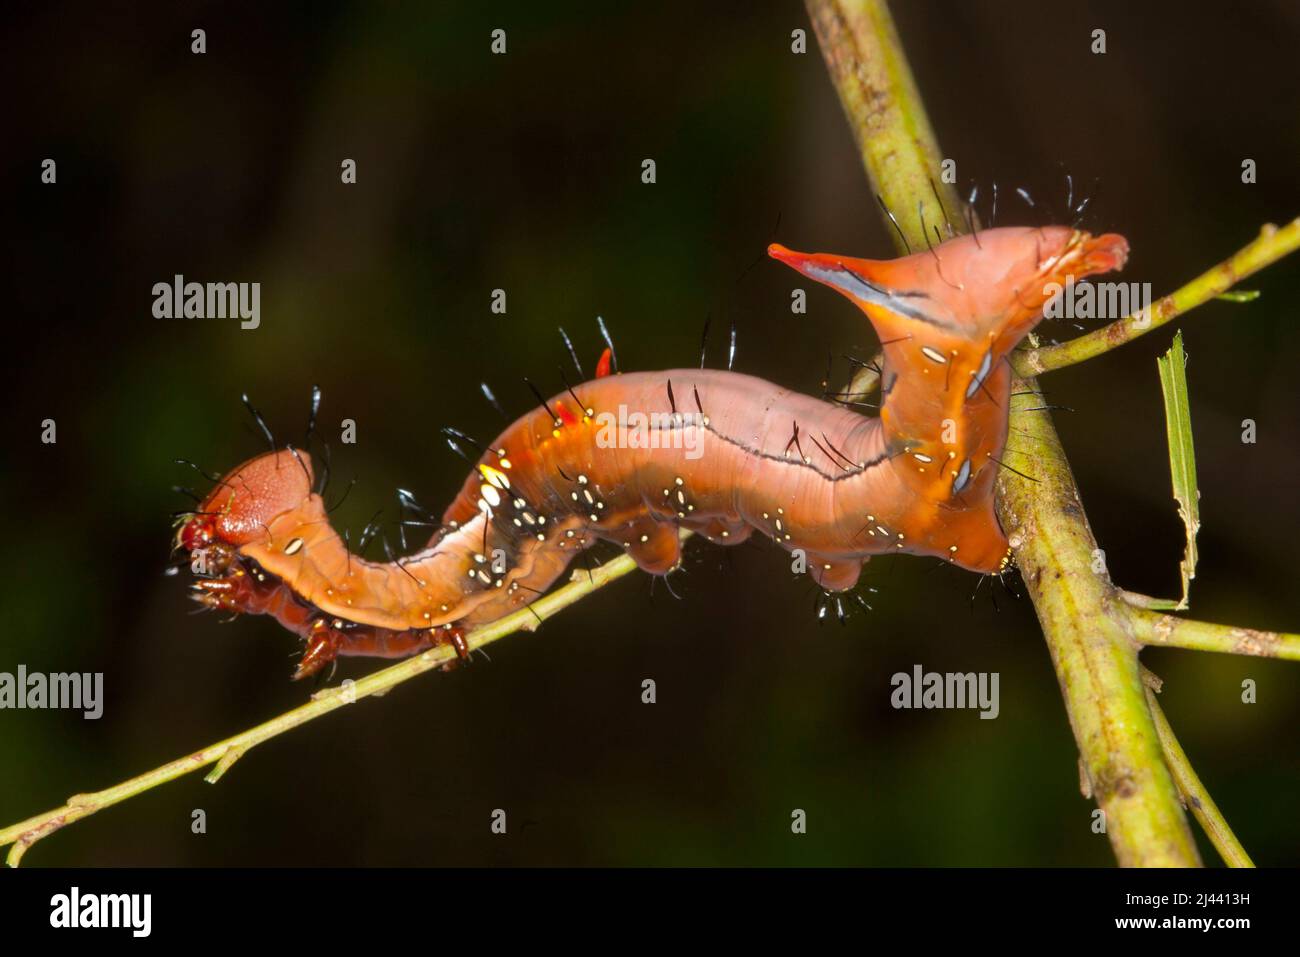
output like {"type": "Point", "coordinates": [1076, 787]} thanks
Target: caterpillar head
{"type": "Point", "coordinates": [988, 287]}
{"type": "Point", "coordinates": [241, 507]}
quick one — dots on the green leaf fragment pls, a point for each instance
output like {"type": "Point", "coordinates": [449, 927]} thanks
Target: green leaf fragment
{"type": "Point", "coordinates": [1182, 454]}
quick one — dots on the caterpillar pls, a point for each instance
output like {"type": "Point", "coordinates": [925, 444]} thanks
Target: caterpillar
{"type": "Point", "coordinates": [631, 458]}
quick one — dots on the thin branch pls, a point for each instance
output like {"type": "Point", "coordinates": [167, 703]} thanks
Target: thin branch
{"type": "Point", "coordinates": [1168, 631]}
{"type": "Point", "coordinates": [1138, 600]}
{"type": "Point", "coordinates": [1195, 796]}
{"type": "Point", "coordinates": [224, 753]}
{"type": "Point", "coordinates": [1273, 243]}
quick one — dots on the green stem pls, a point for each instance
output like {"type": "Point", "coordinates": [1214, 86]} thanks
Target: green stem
{"type": "Point", "coordinates": [1271, 245]}
{"type": "Point", "coordinates": [224, 753]}
{"type": "Point", "coordinates": [1190, 787]}
{"type": "Point", "coordinates": [1086, 626]}
{"type": "Point", "coordinates": [887, 116]}
{"type": "Point", "coordinates": [1095, 656]}
{"type": "Point", "coordinates": [1165, 630]}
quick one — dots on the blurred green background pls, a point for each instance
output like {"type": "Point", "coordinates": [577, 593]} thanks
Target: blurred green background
{"type": "Point", "coordinates": [522, 172]}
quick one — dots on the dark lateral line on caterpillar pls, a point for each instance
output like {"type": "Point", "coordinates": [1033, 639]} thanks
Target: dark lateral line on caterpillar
{"type": "Point", "coordinates": [858, 468]}
{"type": "Point", "coordinates": [868, 291]}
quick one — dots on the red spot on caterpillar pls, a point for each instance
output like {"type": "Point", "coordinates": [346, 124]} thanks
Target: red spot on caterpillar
{"type": "Point", "coordinates": [563, 414]}
{"type": "Point", "coordinates": [809, 475]}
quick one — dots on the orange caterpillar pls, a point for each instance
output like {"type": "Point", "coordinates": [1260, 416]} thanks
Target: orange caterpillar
{"type": "Point", "coordinates": [632, 458]}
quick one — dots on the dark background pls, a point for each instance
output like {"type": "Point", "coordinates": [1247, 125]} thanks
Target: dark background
{"type": "Point", "coordinates": [523, 171]}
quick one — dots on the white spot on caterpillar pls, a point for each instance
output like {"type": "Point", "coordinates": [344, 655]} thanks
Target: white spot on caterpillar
{"type": "Point", "coordinates": [495, 478]}
{"type": "Point", "coordinates": [293, 547]}
{"type": "Point", "coordinates": [934, 355]}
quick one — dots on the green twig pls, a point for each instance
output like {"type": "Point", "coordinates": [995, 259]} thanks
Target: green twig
{"type": "Point", "coordinates": [1167, 631]}
{"type": "Point", "coordinates": [1273, 243]}
{"type": "Point", "coordinates": [224, 753]}
{"type": "Point", "coordinates": [1194, 795]}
